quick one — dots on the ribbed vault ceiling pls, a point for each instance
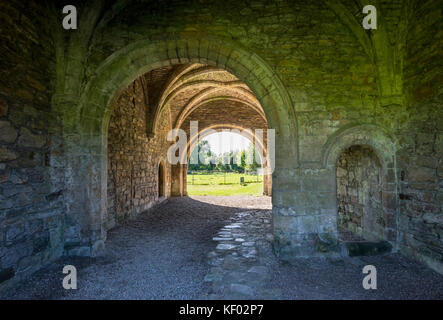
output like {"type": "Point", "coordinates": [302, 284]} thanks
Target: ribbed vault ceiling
{"type": "Point", "coordinates": [193, 86]}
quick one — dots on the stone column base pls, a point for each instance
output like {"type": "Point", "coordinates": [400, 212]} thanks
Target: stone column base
{"type": "Point", "coordinates": [305, 235]}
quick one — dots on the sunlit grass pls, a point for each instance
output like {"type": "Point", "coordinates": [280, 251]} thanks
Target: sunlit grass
{"type": "Point", "coordinates": [221, 184]}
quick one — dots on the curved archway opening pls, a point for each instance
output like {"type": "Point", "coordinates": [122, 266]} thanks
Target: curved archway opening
{"type": "Point", "coordinates": [226, 162]}
{"type": "Point", "coordinates": [197, 100]}
{"type": "Point", "coordinates": [161, 180]}
{"type": "Point", "coordinates": [89, 125]}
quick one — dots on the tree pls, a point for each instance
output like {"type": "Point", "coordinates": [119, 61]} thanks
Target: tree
{"type": "Point", "coordinates": [201, 157]}
{"type": "Point", "coordinates": [241, 160]}
{"type": "Point", "coordinates": [252, 158]}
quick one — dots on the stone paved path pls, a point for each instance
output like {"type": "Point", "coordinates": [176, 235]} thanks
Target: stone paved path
{"type": "Point", "coordinates": [237, 270]}
{"type": "Point", "coordinates": [220, 248]}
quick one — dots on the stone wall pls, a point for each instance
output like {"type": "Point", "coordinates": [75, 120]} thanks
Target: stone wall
{"type": "Point", "coordinates": [420, 158]}
{"type": "Point", "coordinates": [316, 74]}
{"type": "Point", "coordinates": [337, 76]}
{"type": "Point", "coordinates": [359, 193]}
{"type": "Point", "coordinates": [31, 148]}
{"type": "Point", "coordinates": [133, 158]}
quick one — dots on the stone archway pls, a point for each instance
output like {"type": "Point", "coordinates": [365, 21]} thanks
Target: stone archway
{"type": "Point", "coordinates": [161, 180]}
{"type": "Point", "coordinates": [86, 139]}
{"type": "Point", "coordinates": [361, 160]}
{"type": "Point", "coordinates": [359, 195]}
{"type": "Point", "coordinates": [199, 96]}
{"type": "Point", "coordinates": [259, 141]}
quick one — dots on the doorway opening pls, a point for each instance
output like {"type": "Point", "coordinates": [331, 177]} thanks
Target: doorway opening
{"type": "Point", "coordinates": [225, 164]}
{"type": "Point", "coordinates": [365, 225]}
{"type": "Point", "coordinates": [161, 180]}
{"type": "Point", "coordinates": [175, 98]}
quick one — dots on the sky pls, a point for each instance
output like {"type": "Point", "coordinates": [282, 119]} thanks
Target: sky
{"type": "Point", "coordinates": [227, 141]}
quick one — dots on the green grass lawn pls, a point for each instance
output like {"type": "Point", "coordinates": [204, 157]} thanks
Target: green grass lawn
{"type": "Point", "coordinates": [219, 184]}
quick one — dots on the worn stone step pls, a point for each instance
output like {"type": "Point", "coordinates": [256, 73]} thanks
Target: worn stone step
{"type": "Point", "coordinates": [367, 248]}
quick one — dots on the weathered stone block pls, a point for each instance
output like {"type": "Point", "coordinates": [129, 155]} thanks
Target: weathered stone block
{"type": "Point", "coordinates": [7, 155]}
{"type": "Point", "coordinates": [3, 108]}
{"type": "Point", "coordinates": [440, 170]}
{"type": "Point", "coordinates": [8, 133]}
{"type": "Point", "coordinates": [30, 140]}
{"type": "Point", "coordinates": [82, 251]}
{"type": "Point", "coordinates": [368, 248]}
{"type": "Point", "coordinates": [421, 174]}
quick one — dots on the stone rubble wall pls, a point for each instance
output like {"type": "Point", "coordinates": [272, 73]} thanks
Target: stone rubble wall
{"type": "Point", "coordinates": [133, 158]}
{"type": "Point", "coordinates": [420, 159]}
{"type": "Point", "coordinates": [359, 194]}
{"type": "Point", "coordinates": [31, 147]}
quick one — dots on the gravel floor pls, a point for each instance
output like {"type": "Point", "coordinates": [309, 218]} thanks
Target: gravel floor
{"type": "Point", "coordinates": [160, 255]}
{"type": "Point", "coordinates": [398, 278]}
{"type": "Point", "coordinates": [163, 255]}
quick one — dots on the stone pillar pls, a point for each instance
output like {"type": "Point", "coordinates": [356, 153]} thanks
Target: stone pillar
{"type": "Point", "coordinates": [267, 184]}
{"type": "Point", "coordinates": [185, 179]}
{"type": "Point", "coordinates": [178, 180]}
{"type": "Point", "coordinates": [304, 213]}
{"type": "Point", "coordinates": [175, 180]}
{"type": "Point", "coordinates": [85, 183]}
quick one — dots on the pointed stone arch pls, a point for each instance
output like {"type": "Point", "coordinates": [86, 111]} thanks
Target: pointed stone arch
{"type": "Point", "coordinates": [377, 140]}
{"type": "Point", "coordinates": [161, 180]}
{"type": "Point", "coordinates": [260, 142]}
{"type": "Point", "coordinates": [360, 134]}
{"type": "Point", "coordinates": [87, 125]}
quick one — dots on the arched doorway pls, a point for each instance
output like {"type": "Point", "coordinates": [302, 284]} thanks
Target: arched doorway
{"type": "Point", "coordinates": [161, 181]}
{"type": "Point", "coordinates": [359, 196]}
{"type": "Point", "coordinates": [361, 160]}
{"type": "Point", "coordinates": [142, 125]}
{"type": "Point", "coordinates": [230, 162]}
{"type": "Point", "coordinates": [365, 224]}
{"type": "Point", "coordinates": [125, 66]}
